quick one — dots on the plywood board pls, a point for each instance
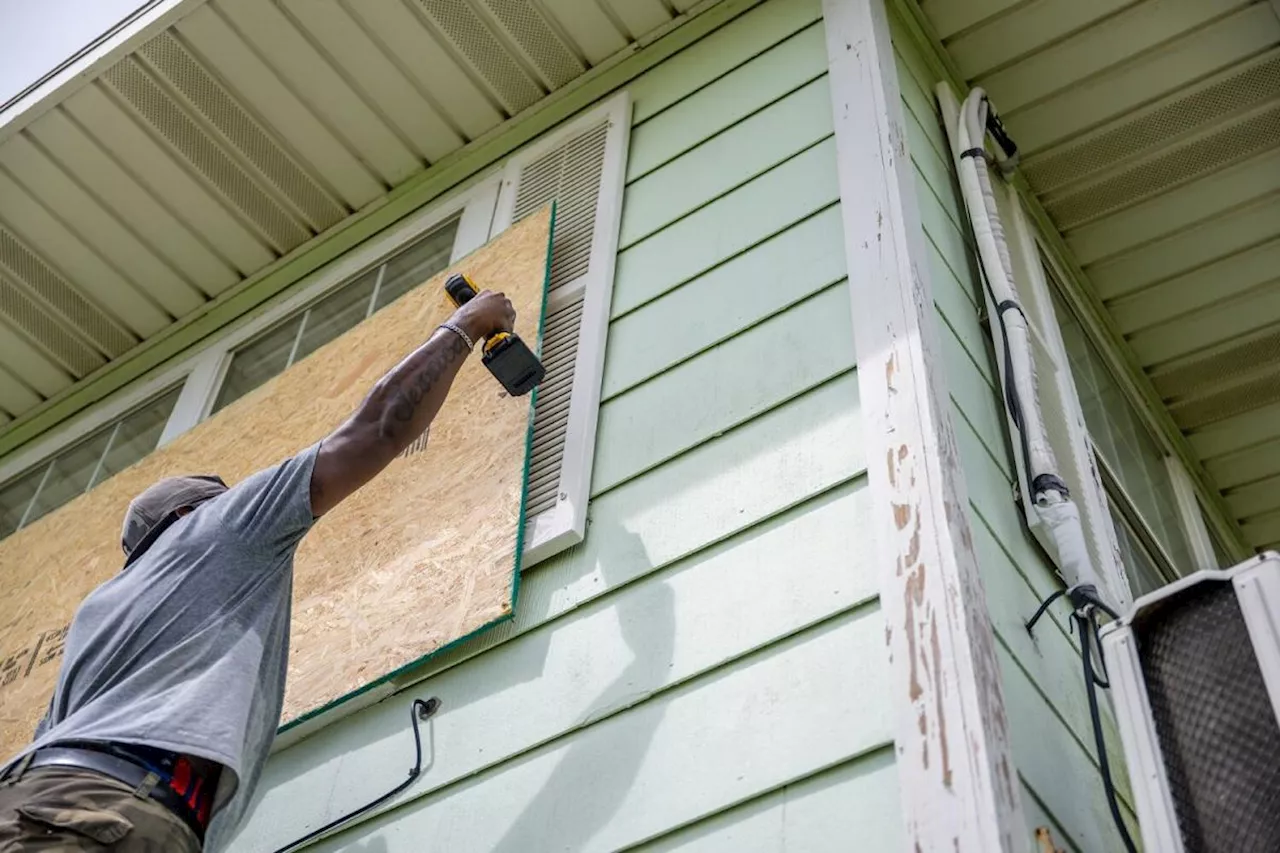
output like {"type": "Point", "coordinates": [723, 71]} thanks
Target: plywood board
{"type": "Point", "coordinates": [424, 555]}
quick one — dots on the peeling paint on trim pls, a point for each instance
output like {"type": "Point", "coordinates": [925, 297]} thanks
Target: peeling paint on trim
{"type": "Point", "coordinates": [958, 788]}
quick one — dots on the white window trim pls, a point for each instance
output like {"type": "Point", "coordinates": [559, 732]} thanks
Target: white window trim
{"type": "Point", "coordinates": [1193, 527]}
{"type": "Point", "coordinates": [565, 524]}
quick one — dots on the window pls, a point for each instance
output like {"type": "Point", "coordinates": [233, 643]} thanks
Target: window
{"type": "Point", "coordinates": [78, 468]}
{"type": "Point", "coordinates": [1144, 569]}
{"type": "Point", "coordinates": [1130, 455]}
{"type": "Point", "coordinates": [314, 326]}
{"type": "Point", "coordinates": [579, 167]}
{"type": "Point", "coordinates": [1221, 556]}
{"type": "Point", "coordinates": [1133, 499]}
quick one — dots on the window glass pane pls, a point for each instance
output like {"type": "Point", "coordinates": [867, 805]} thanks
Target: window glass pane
{"type": "Point", "coordinates": [258, 362]}
{"type": "Point", "coordinates": [414, 265]}
{"type": "Point", "coordinates": [138, 435]}
{"type": "Point", "coordinates": [1224, 559]}
{"type": "Point", "coordinates": [14, 498]}
{"type": "Point", "coordinates": [1144, 576]}
{"type": "Point", "coordinates": [1123, 441]}
{"type": "Point", "coordinates": [71, 474]}
{"type": "Point", "coordinates": [78, 468]}
{"type": "Point", "coordinates": [335, 314]}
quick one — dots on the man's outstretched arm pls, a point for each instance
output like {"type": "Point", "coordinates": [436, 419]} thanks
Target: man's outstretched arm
{"type": "Point", "coordinates": [402, 404]}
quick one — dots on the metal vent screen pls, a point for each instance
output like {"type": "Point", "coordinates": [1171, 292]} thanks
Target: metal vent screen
{"type": "Point", "coordinates": [529, 29]}
{"type": "Point", "coordinates": [54, 290]}
{"type": "Point", "coordinates": [569, 175]}
{"type": "Point", "coordinates": [77, 358]}
{"type": "Point", "coordinates": [1201, 108]}
{"type": "Point", "coordinates": [1233, 400]}
{"type": "Point", "coordinates": [1214, 721]}
{"type": "Point", "coordinates": [1240, 360]}
{"type": "Point", "coordinates": [555, 396]}
{"type": "Point", "coordinates": [1234, 142]}
{"type": "Point", "coordinates": [169, 119]}
{"type": "Point", "coordinates": [169, 58]}
{"type": "Point", "coordinates": [484, 52]}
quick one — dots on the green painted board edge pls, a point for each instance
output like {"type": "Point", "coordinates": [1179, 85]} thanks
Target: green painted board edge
{"type": "Point", "coordinates": [449, 173]}
{"type": "Point", "coordinates": [517, 563]}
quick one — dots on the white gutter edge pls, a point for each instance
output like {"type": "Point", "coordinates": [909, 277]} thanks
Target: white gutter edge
{"type": "Point", "coordinates": [88, 63]}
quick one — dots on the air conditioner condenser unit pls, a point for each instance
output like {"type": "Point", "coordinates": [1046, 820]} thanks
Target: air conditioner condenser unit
{"type": "Point", "coordinates": [1194, 669]}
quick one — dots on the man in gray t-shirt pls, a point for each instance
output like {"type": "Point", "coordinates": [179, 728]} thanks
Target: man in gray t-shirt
{"type": "Point", "coordinates": [173, 674]}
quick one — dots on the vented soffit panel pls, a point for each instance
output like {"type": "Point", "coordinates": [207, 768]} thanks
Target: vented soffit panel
{"type": "Point", "coordinates": [231, 132]}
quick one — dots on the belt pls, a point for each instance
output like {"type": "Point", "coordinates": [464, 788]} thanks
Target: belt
{"type": "Point", "coordinates": [192, 809]}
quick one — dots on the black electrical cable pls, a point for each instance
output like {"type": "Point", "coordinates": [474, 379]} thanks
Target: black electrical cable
{"type": "Point", "coordinates": [1089, 624]}
{"type": "Point", "coordinates": [1086, 602]}
{"type": "Point", "coordinates": [420, 710]}
{"type": "Point", "coordinates": [1013, 402]}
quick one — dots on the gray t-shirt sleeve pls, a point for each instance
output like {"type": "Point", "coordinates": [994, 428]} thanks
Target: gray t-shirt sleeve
{"type": "Point", "coordinates": [270, 511]}
{"type": "Point", "coordinates": [43, 725]}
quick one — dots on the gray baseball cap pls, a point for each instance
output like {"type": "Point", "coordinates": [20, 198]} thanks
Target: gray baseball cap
{"type": "Point", "coordinates": [157, 503]}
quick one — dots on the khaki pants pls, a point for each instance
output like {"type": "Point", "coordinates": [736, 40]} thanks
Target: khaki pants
{"type": "Point", "coordinates": [64, 810]}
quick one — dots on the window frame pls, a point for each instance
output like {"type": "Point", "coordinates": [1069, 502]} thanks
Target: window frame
{"type": "Point", "coordinates": [72, 432]}
{"type": "Point", "coordinates": [1098, 487]}
{"type": "Point", "coordinates": [483, 207]}
{"type": "Point", "coordinates": [120, 408]}
{"type": "Point", "coordinates": [473, 208]}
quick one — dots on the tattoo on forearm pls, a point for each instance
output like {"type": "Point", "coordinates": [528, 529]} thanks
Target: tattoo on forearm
{"type": "Point", "coordinates": [411, 391]}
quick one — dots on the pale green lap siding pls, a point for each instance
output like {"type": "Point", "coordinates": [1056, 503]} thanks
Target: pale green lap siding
{"type": "Point", "coordinates": [707, 670]}
{"type": "Point", "coordinates": [1048, 713]}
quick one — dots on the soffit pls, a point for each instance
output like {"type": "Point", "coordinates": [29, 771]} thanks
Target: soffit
{"type": "Point", "coordinates": [240, 131]}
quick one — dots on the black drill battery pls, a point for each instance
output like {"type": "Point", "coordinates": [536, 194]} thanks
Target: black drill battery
{"type": "Point", "coordinates": [506, 356]}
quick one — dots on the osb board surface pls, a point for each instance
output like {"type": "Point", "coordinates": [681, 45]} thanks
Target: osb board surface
{"type": "Point", "coordinates": [421, 556]}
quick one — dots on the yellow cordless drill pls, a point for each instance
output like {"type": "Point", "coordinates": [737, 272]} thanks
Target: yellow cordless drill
{"type": "Point", "coordinates": [508, 358]}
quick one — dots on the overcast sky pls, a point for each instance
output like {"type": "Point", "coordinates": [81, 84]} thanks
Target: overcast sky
{"type": "Point", "coordinates": [36, 35]}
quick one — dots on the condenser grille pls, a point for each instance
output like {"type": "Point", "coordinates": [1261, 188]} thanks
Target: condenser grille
{"type": "Point", "coordinates": [1214, 721]}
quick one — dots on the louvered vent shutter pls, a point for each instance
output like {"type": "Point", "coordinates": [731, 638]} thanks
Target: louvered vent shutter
{"type": "Point", "coordinates": [581, 170]}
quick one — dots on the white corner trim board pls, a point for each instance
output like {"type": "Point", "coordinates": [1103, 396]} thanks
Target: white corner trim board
{"type": "Point", "coordinates": [959, 790]}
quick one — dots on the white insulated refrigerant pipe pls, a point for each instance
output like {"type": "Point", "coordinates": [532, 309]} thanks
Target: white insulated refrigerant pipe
{"type": "Point", "coordinates": [1052, 515]}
